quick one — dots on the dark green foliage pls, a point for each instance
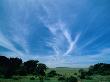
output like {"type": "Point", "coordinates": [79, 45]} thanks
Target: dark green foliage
{"type": "Point", "coordinates": [14, 66]}
{"type": "Point", "coordinates": [59, 75]}
{"type": "Point", "coordinates": [100, 68]}
{"type": "Point", "coordinates": [15, 62]}
{"type": "Point", "coordinates": [75, 73]}
{"type": "Point", "coordinates": [83, 74]}
{"type": "Point", "coordinates": [41, 78]}
{"type": "Point", "coordinates": [32, 78]}
{"type": "Point", "coordinates": [88, 78]}
{"type": "Point", "coordinates": [47, 78]}
{"type": "Point", "coordinates": [9, 66]}
{"type": "Point", "coordinates": [15, 78]}
{"type": "Point", "coordinates": [62, 78]}
{"type": "Point", "coordinates": [52, 73]}
{"type": "Point", "coordinates": [97, 69]}
{"type": "Point", "coordinates": [72, 79]}
{"type": "Point", "coordinates": [81, 70]}
{"type": "Point", "coordinates": [22, 71]}
{"type": "Point", "coordinates": [4, 65]}
{"type": "Point", "coordinates": [41, 68]}
{"type": "Point", "coordinates": [69, 79]}
{"type": "Point", "coordinates": [30, 66]}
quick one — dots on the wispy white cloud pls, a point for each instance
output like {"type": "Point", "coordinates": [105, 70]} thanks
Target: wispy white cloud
{"type": "Point", "coordinates": [77, 60]}
{"type": "Point", "coordinates": [7, 44]}
{"type": "Point", "coordinates": [93, 39]}
{"type": "Point", "coordinates": [72, 45]}
{"type": "Point", "coordinates": [60, 32]}
{"type": "Point", "coordinates": [63, 43]}
{"type": "Point", "coordinates": [20, 35]}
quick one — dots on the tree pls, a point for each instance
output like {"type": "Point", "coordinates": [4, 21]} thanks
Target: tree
{"type": "Point", "coordinates": [72, 79]}
{"type": "Point", "coordinates": [9, 66]}
{"type": "Point", "coordinates": [5, 66]}
{"type": "Point", "coordinates": [41, 68]}
{"type": "Point", "coordinates": [62, 79]}
{"type": "Point", "coordinates": [90, 71]}
{"type": "Point", "coordinates": [22, 71]}
{"type": "Point", "coordinates": [82, 74]}
{"type": "Point", "coordinates": [52, 73]}
{"type": "Point", "coordinates": [31, 66]}
{"type": "Point", "coordinates": [100, 68]}
{"type": "Point", "coordinates": [15, 64]}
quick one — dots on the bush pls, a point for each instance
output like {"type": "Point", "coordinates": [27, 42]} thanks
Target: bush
{"type": "Point", "coordinates": [46, 78]}
{"type": "Point", "coordinates": [75, 73]}
{"type": "Point", "coordinates": [72, 79]}
{"type": "Point", "coordinates": [32, 78]}
{"type": "Point", "coordinates": [7, 75]}
{"type": "Point", "coordinates": [61, 78]}
{"type": "Point", "coordinates": [100, 69]}
{"type": "Point", "coordinates": [88, 78]}
{"type": "Point", "coordinates": [59, 75]}
{"type": "Point", "coordinates": [83, 74]}
{"type": "Point", "coordinates": [1, 76]}
{"type": "Point", "coordinates": [15, 78]}
{"type": "Point", "coordinates": [22, 72]}
{"type": "Point", "coordinates": [52, 73]}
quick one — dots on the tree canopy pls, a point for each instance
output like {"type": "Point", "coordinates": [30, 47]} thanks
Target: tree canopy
{"type": "Point", "coordinates": [15, 66]}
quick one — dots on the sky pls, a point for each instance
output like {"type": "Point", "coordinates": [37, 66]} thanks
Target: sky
{"type": "Point", "coordinates": [59, 33]}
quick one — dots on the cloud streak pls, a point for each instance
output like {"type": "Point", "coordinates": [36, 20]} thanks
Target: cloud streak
{"type": "Point", "coordinates": [68, 33]}
{"type": "Point", "coordinates": [61, 34]}
{"type": "Point", "coordinates": [7, 44]}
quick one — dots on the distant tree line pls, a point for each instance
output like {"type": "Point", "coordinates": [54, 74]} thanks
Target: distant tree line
{"type": "Point", "coordinates": [15, 66]}
{"type": "Point", "coordinates": [100, 69]}
{"type": "Point", "coordinates": [97, 69]}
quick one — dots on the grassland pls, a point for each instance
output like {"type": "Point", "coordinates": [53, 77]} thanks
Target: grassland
{"type": "Point", "coordinates": [64, 71]}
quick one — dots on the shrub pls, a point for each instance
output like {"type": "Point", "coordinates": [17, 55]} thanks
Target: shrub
{"type": "Point", "coordinates": [59, 75]}
{"type": "Point", "coordinates": [1, 76]}
{"type": "Point", "coordinates": [15, 78]}
{"type": "Point", "coordinates": [61, 78]}
{"type": "Point", "coordinates": [83, 74]}
{"type": "Point", "coordinates": [100, 68]}
{"type": "Point", "coordinates": [75, 73]}
{"type": "Point", "coordinates": [52, 73]}
{"type": "Point", "coordinates": [72, 79]}
{"type": "Point", "coordinates": [32, 78]}
{"type": "Point", "coordinates": [88, 78]}
{"type": "Point", "coordinates": [22, 72]}
{"type": "Point", "coordinates": [46, 78]}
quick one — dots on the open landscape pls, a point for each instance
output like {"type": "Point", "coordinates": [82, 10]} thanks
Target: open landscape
{"type": "Point", "coordinates": [14, 70]}
{"type": "Point", "coordinates": [65, 71]}
{"type": "Point", "coordinates": [54, 40]}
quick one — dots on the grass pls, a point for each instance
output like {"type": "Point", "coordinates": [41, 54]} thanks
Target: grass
{"type": "Point", "coordinates": [64, 71]}
{"type": "Point", "coordinates": [27, 79]}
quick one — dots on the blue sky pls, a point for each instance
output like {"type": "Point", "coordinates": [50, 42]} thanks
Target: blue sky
{"type": "Point", "coordinates": [68, 33]}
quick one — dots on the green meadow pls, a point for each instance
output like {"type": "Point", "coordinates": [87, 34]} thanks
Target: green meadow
{"type": "Point", "coordinates": [14, 70]}
{"type": "Point", "coordinates": [64, 71]}
{"type": "Point", "coordinates": [54, 40]}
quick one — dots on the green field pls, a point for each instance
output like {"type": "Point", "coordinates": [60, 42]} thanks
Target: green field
{"type": "Point", "coordinates": [64, 71]}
